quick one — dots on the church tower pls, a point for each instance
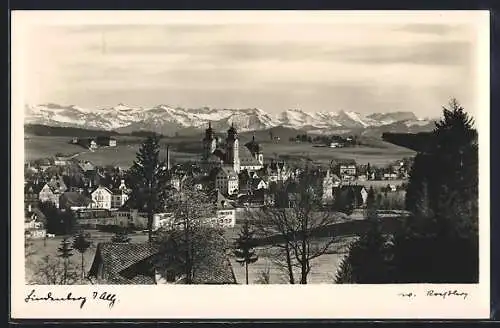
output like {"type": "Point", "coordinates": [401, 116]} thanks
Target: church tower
{"type": "Point", "coordinates": [209, 142]}
{"type": "Point", "coordinates": [232, 149]}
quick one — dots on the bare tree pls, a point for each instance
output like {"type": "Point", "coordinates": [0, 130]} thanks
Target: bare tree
{"type": "Point", "coordinates": [189, 243]}
{"type": "Point", "coordinates": [53, 271]}
{"type": "Point", "coordinates": [300, 232]}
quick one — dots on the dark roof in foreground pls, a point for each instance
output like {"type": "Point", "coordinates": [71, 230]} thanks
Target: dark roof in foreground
{"type": "Point", "coordinates": [117, 257]}
{"type": "Point", "coordinates": [132, 263]}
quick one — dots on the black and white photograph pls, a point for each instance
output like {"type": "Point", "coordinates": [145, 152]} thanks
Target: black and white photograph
{"type": "Point", "coordinates": [333, 150]}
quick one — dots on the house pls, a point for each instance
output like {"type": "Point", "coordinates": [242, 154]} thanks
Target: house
{"type": "Point", "coordinates": [390, 176]}
{"type": "Point", "coordinates": [34, 224]}
{"type": "Point", "coordinates": [257, 184]}
{"type": "Point", "coordinates": [101, 198]}
{"type": "Point", "coordinates": [134, 263]}
{"type": "Point", "coordinates": [86, 166]}
{"type": "Point", "coordinates": [89, 143]}
{"type": "Point", "coordinates": [52, 190]}
{"type": "Point", "coordinates": [72, 200]}
{"type": "Point", "coordinates": [225, 212]}
{"type": "Point", "coordinates": [226, 180]}
{"type": "Point", "coordinates": [120, 195]}
{"type": "Point", "coordinates": [44, 163]}
{"type": "Point", "coordinates": [123, 263]}
{"type": "Point", "coordinates": [347, 170]}
{"type": "Point", "coordinates": [106, 141]}
{"type": "Point", "coordinates": [31, 194]}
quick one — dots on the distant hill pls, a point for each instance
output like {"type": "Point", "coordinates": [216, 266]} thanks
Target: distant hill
{"type": "Point", "coordinates": [63, 131]}
{"type": "Point", "coordinates": [58, 131]}
{"type": "Point", "coordinates": [414, 141]}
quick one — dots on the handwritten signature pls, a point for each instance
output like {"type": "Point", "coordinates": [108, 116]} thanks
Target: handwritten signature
{"type": "Point", "coordinates": [50, 297]}
{"type": "Point", "coordinates": [432, 293]}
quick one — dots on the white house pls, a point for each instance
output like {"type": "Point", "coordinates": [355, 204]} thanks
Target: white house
{"type": "Point", "coordinates": [102, 198]}
{"type": "Point", "coordinates": [226, 180]}
{"type": "Point", "coordinates": [225, 213]}
{"type": "Point", "coordinates": [120, 195]}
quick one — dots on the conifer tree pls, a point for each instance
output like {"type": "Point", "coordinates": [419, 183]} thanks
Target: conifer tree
{"type": "Point", "coordinates": [81, 244]}
{"type": "Point", "coordinates": [442, 194]}
{"type": "Point", "coordinates": [65, 251]}
{"type": "Point", "coordinates": [244, 248]}
{"type": "Point", "coordinates": [148, 178]}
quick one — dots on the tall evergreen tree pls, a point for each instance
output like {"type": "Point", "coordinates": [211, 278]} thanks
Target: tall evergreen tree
{"type": "Point", "coordinates": [442, 194]}
{"type": "Point", "coordinates": [371, 205]}
{"type": "Point", "coordinates": [244, 248]}
{"type": "Point", "coordinates": [148, 178]}
{"type": "Point", "coordinates": [65, 251]}
{"type": "Point", "coordinates": [81, 244]}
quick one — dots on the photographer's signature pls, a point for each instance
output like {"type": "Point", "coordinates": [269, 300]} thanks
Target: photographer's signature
{"type": "Point", "coordinates": [111, 299]}
{"type": "Point", "coordinates": [444, 294]}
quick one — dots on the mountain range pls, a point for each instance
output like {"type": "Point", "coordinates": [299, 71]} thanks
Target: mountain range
{"type": "Point", "coordinates": [168, 120]}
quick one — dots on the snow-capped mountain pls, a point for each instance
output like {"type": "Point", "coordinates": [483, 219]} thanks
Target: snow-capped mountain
{"type": "Point", "coordinates": [167, 119]}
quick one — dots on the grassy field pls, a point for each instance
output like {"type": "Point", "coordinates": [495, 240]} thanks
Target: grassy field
{"type": "Point", "coordinates": [375, 152]}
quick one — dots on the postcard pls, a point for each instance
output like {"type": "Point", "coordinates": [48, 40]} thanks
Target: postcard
{"type": "Point", "coordinates": [250, 164]}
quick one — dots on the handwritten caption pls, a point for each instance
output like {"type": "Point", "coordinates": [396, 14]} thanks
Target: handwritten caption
{"type": "Point", "coordinates": [106, 297]}
{"type": "Point", "coordinates": [438, 294]}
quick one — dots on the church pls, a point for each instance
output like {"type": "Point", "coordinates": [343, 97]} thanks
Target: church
{"type": "Point", "coordinates": [249, 157]}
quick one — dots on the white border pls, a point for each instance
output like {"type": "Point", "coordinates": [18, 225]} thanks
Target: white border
{"type": "Point", "coordinates": [275, 301]}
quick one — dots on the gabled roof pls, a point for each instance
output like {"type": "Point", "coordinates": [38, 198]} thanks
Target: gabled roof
{"type": "Point", "coordinates": [116, 258]}
{"type": "Point", "coordinates": [347, 162]}
{"type": "Point", "coordinates": [101, 187]}
{"type": "Point", "coordinates": [227, 171]}
{"type": "Point", "coordinates": [255, 182]}
{"type": "Point", "coordinates": [222, 202]}
{"type": "Point", "coordinates": [121, 264]}
{"type": "Point", "coordinates": [71, 198]}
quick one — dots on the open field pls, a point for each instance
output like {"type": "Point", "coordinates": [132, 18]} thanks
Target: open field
{"type": "Point", "coordinates": [52, 244]}
{"type": "Point", "coordinates": [189, 148]}
{"type": "Point", "coordinates": [323, 270]}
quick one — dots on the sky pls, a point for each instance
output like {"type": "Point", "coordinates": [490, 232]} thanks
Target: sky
{"type": "Point", "coordinates": [311, 66]}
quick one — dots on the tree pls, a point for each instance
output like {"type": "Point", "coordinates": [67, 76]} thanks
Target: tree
{"type": "Point", "coordinates": [244, 248]}
{"type": "Point", "coordinates": [148, 179]}
{"type": "Point", "coordinates": [190, 243]}
{"type": "Point", "coordinates": [52, 216]}
{"type": "Point", "coordinates": [344, 201]}
{"type": "Point", "coordinates": [442, 194]}
{"type": "Point", "coordinates": [371, 204]}
{"type": "Point", "coordinates": [121, 237]}
{"type": "Point", "coordinates": [368, 258]}
{"type": "Point", "coordinates": [264, 276]}
{"type": "Point", "coordinates": [294, 231]}
{"type": "Point", "coordinates": [81, 244]}
{"type": "Point", "coordinates": [65, 252]}
{"type": "Point", "coordinates": [53, 271]}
